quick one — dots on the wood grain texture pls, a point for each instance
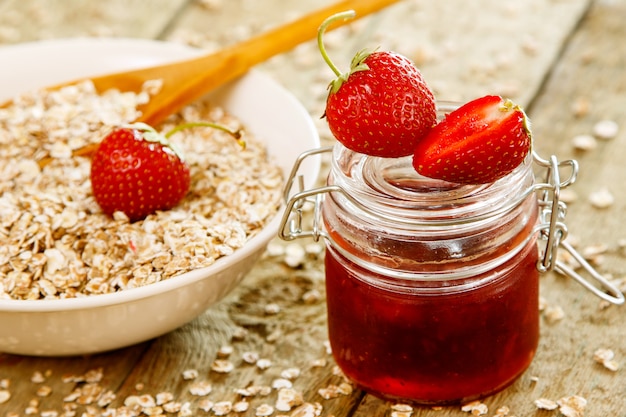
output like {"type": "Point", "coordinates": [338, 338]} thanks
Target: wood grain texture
{"type": "Point", "coordinates": [549, 54]}
{"type": "Point", "coordinates": [31, 20]}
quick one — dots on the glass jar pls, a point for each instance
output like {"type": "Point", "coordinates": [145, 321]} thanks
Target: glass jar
{"type": "Point", "coordinates": [432, 288]}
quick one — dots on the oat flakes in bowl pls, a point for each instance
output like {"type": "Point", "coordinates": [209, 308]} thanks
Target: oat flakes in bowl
{"type": "Point", "coordinates": [73, 280]}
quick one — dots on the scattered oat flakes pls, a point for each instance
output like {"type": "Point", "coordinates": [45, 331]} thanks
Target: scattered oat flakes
{"type": "Point", "coordinates": [239, 333]}
{"type": "Point", "coordinates": [605, 129]}
{"type": "Point", "coordinates": [401, 407]}
{"type": "Point", "coordinates": [307, 410]}
{"type": "Point", "coordinates": [554, 313]}
{"type": "Point", "coordinates": [263, 363]}
{"type": "Point", "coordinates": [31, 410]}
{"type": "Point", "coordinates": [172, 407]}
{"type": "Point", "coordinates": [205, 405]}
{"type": "Point", "coordinates": [311, 297]}
{"type": "Point", "coordinates": [185, 410]}
{"type": "Point", "coordinates": [606, 358]}
{"type": "Point", "coordinates": [254, 390]}
{"type": "Point", "coordinates": [225, 351]}
{"type": "Point", "coordinates": [250, 357]}
{"type": "Point", "coordinates": [200, 388]}
{"type": "Point", "coordinates": [294, 255]}
{"type": "Point", "coordinates": [222, 366]}
{"type": "Point", "coordinates": [164, 397]}
{"type": "Point", "coordinates": [37, 378]}
{"type": "Point", "coordinates": [401, 410]}
{"type": "Point", "coordinates": [44, 391]}
{"type": "Point", "coordinates": [572, 406]}
{"type": "Point", "coordinates": [274, 336]}
{"type": "Point", "coordinates": [264, 410]}
{"type": "Point", "coordinates": [333, 391]}
{"type": "Point", "coordinates": [241, 406]}
{"type": "Point", "coordinates": [5, 396]}
{"type": "Point", "coordinates": [275, 249]}
{"type": "Point", "coordinates": [314, 249]}
{"type": "Point", "coordinates": [189, 374]}
{"type": "Point", "coordinates": [546, 404]}
{"type": "Point", "coordinates": [602, 198]}
{"type": "Point", "coordinates": [584, 142]}
{"type": "Point", "coordinates": [280, 383]}
{"type": "Point", "coordinates": [272, 308]}
{"type": "Point", "coordinates": [476, 408]}
{"type": "Point", "coordinates": [152, 411]}
{"type": "Point", "coordinates": [288, 398]}
{"type": "Point", "coordinates": [580, 107]}
{"type": "Point", "coordinates": [106, 398]}
{"type": "Point", "coordinates": [290, 373]}
{"type": "Point", "coordinates": [502, 411]}
{"type": "Point", "coordinates": [319, 363]}
{"type": "Point", "coordinates": [338, 372]}
{"type": "Point", "coordinates": [568, 196]}
{"type": "Point", "coordinates": [221, 408]}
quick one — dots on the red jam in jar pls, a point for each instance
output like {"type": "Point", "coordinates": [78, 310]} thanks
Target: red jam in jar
{"type": "Point", "coordinates": [432, 287]}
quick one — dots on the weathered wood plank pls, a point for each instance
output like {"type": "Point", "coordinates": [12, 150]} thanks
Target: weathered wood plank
{"type": "Point", "coordinates": [29, 20]}
{"type": "Point", "coordinates": [21, 375]}
{"type": "Point", "coordinates": [590, 76]}
{"type": "Point", "coordinates": [438, 37]}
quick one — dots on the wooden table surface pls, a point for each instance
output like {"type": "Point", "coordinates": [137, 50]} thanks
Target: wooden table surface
{"type": "Point", "coordinates": [565, 60]}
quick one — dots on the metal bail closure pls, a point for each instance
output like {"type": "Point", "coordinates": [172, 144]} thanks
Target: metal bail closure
{"type": "Point", "coordinates": [291, 226]}
{"type": "Point", "coordinates": [554, 231]}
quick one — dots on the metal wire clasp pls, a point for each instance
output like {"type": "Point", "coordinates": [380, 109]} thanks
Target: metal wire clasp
{"type": "Point", "coordinates": [554, 231]}
{"type": "Point", "coordinates": [551, 226]}
{"type": "Point", "coordinates": [291, 226]}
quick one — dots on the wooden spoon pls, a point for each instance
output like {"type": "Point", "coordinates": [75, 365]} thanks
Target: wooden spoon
{"type": "Point", "coordinates": [189, 80]}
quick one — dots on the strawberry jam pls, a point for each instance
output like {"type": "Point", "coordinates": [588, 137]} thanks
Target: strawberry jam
{"type": "Point", "coordinates": [432, 287]}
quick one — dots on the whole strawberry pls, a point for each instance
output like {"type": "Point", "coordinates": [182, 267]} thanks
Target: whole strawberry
{"type": "Point", "coordinates": [478, 143]}
{"type": "Point", "coordinates": [135, 170]}
{"type": "Point", "coordinates": [382, 106]}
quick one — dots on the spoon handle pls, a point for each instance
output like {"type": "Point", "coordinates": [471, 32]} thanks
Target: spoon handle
{"type": "Point", "coordinates": [187, 81]}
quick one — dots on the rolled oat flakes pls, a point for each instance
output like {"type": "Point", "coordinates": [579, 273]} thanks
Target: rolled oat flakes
{"type": "Point", "coordinates": [55, 242]}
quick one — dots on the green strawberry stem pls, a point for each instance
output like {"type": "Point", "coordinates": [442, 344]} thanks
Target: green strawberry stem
{"type": "Point", "coordinates": [350, 14]}
{"type": "Point", "coordinates": [357, 62]}
{"type": "Point", "coordinates": [237, 134]}
{"type": "Point", "coordinates": [151, 135]}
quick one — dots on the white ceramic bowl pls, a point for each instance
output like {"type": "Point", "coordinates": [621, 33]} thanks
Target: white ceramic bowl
{"type": "Point", "coordinates": [104, 322]}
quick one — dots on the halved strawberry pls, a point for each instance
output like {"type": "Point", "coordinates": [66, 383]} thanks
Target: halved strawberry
{"type": "Point", "coordinates": [480, 142]}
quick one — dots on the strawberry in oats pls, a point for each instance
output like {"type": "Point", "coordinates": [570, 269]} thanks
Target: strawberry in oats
{"type": "Point", "coordinates": [137, 170]}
